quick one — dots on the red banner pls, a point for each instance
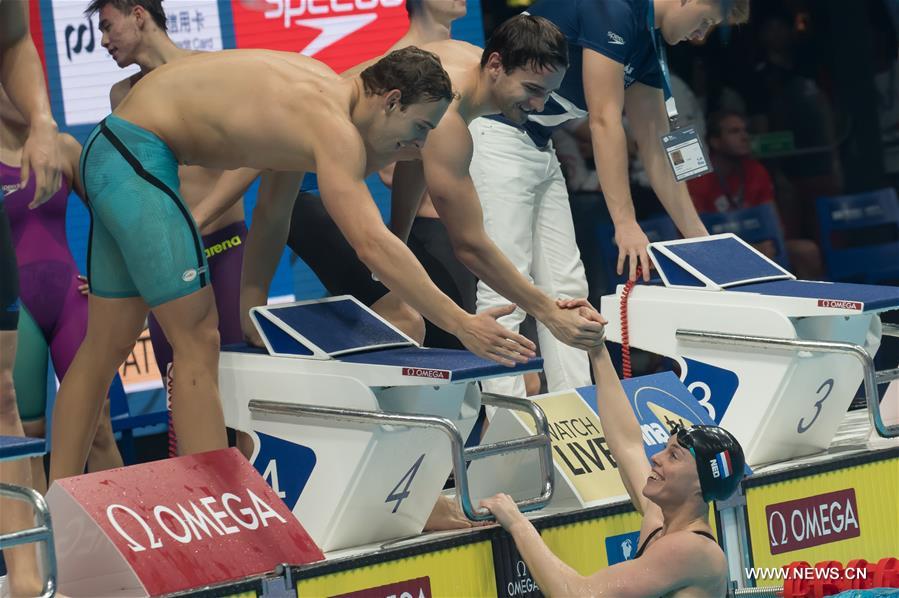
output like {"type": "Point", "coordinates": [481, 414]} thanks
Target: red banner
{"type": "Point", "coordinates": [340, 33]}
{"type": "Point", "coordinates": [182, 523]}
{"type": "Point", "coordinates": [413, 588]}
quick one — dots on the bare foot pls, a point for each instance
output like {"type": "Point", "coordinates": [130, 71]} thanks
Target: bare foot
{"type": "Point", "coordinates": [447, 515]}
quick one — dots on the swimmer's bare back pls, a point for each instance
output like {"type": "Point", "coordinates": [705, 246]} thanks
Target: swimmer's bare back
{"type": "Point", "coordinates": [257, 108]}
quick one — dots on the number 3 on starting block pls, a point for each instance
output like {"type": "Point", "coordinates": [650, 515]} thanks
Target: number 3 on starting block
{"type": "Point", "coordinates": [399, 497]}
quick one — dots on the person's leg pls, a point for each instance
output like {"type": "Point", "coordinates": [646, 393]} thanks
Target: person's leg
{"type": "Point", "coordinates": [506, 169]}
{"type": "Point", "coordinates": [67, 335]}
{"type": "Point", "coordinates": [113, 327]}
{"type": "Point", "coordinates": [402, 315]}
{"type": "Point", "coordinates": [104, 452]}
{"type": "Point", "coordinates": [317, 240]}
{"type": "Point", "coordinates": [21, 561]}
{"type": "Point", "coordinates": [162, 350]}
{"type": "Point", "coordinates": [191, 325]}
{"type": "Point", "coordinates": [430, 243]}
{"type": "Point", "coordinates": [30, 376]}
{"type": "Point", "coordinates": [224, 251]}
{"type": "Point", "coordinates": [132, 177]}
{"type": "Point", "coordinates": [558, 271]}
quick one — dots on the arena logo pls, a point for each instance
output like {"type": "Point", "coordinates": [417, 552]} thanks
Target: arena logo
{"type": "Point", "coordinates": [340, 33]}
{"type": "Point", "coordinates": [812, 521]}
{"type": "Point", "coordinates": [214, 516]}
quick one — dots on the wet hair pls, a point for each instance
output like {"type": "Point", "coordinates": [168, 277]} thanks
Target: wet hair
{"type": "Point", "coordinates": [528, 41]}
{"type": "Point", "coordinates": [737, 10]}
{"type": "Point", "coordinates": [416, 73]}
{"type": "Point", "coordinates": [716, 122]}
{"type": "Point", "coordinates": [154, 7]}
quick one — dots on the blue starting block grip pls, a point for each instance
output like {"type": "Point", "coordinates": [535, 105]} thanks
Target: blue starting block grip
{"type": "Point", "coordinates": [862, 297]}
{"type": "Point", "coordinates": [713, 263]}
{"type": "Point", "coordinates": [19, 447]}
{"type": "Point", "coordinates": [325, 328]}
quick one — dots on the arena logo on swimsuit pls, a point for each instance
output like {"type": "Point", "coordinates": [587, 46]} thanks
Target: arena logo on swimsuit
{"type": "Point", "coordinates": [340, 33]}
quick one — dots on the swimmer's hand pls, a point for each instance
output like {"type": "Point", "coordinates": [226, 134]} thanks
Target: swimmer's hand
{"type": "Point", "coordinates": [485, 337]}
{"type": "Point", "coordinates": [504, 509]}
{"type": "Point", "coordinates": [632, 246]}
{"type": "Point", "coordinates": [42, 159]}
{"type": "Point", "coordinates": [83, 287]}
{"type": "Point", "coordinates": [575, 322]}
{"type": "Point", "coordinates": [586, 311]}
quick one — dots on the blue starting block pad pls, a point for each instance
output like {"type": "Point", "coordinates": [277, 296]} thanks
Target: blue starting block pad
{"type": "Point", "coordinates": [836, 295]}
{"type": "Point", "coordinates": [19, 447]}
{"type": "Point", "coordinates": [713, 263]}
{"type": "Point", "coordinates": [344, 333]}
{"type": "Point", "coordinates": [324, 328]}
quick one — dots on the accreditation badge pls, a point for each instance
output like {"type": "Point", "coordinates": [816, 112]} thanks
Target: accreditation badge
{"type": "Point", "coordinates": [687, 157]}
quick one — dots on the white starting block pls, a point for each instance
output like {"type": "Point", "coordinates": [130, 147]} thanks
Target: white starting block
{"type": "Point", "coordinates": [356, 427]}
{"type": "Point", "coordinates": [585, 472]}
{"type": "Point", "coordinates": [773, 359]}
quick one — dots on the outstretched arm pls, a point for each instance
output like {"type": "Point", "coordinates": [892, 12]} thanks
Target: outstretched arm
{"type": "Point", "coordinates": [22, 78]}
{"type": "Point", "coordinates": [604, 92]}
{"type": "Point", "coordinates": [265, 242]}
{"type": "Point", "coordinates": [340, 165]}
{"type": "Point", "coordinates": [623, 433]}
{"type": "Point", "coordinates": [645, 108]}
{"type": "Point", "coordinates": [446, 158]}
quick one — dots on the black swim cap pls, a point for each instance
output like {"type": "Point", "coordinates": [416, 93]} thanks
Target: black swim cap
{"type": "Point", "coordinates": [719, 459]}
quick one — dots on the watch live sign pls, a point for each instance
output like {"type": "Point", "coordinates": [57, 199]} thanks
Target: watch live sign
{"type": "Point", "coordinates": [340, 33]}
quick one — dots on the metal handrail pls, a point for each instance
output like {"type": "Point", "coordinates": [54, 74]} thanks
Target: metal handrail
{"type": "Point", "coordinates": [796, 345]}
{"type": "Point", "coordinates": [540, 441]}
{"type": "Point", "coordinates": [41, 534]}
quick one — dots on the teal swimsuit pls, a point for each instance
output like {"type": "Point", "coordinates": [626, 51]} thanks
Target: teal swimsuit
{"type": "Point", "coordinates": [144, 241]}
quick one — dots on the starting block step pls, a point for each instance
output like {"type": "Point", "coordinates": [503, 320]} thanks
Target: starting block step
{"type": "Point", "coordinates": [21, 447]}
{"type": "Point", "coordinates": [585, 472]}
{"type": "Point", "coordinates": [213, 520]}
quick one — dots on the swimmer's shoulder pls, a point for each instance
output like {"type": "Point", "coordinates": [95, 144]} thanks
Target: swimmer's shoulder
{"type": "Point", "coordinates": [121, 88]}
{"type": "Point", "coordinates": [696, 555]}
{"type": "Point", "coordinates": [453, 47]}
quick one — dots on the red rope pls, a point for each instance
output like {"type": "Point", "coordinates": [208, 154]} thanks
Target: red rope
{"type": "Point", "coordinates": [625, 332]}
{"type": "Point", "coordinates": [170, 387]}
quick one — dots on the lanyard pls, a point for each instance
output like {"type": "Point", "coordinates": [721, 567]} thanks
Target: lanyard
{"type": "Point", "coordinates": [659, 46]}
